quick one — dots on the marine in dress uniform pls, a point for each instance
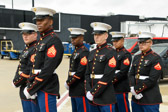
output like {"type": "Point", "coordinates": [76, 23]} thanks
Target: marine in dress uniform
{"type": "Point", "coordinates": [29, 34]}
{"type": "Point", "coordinates": [77, 68]}
{"type": "Point", "coordinates": [102, 63]}
{"type": "Point", "coordinates": [145, 72]}
{"type": "Point", "coordinates": [48, 56]}
{"type": "Point", "coordinates": [120, 79]}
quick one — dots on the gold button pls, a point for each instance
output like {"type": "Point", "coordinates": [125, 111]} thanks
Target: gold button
{"type": "Point", "coordinates": [112, 81]}
{"type": "Point", "coordinates": [33, 65]}
{"type": "Point", "coordinates": [72, 78]}
{"type": "Point", "coordinates": [41, 39]}
{"type": "Point", "coordinates": [95, 59]}
{"type": "Point", "coordinates": [70, 81]}
{"type": "Point", "coordinates": [140, 63]}
{"type": "Point", "coordinates": [138, 70]}
{"type": "Point", "coordinates": [139, 88]}
{"type": "Point", "coordinates": [92, 92]}
{"type": "Point", "coordinates": [97, 51]}
{"type": "Point", "coordinates": [94, 63]}
{"type": "Point", "coordinates": [93, 68]}
{"type": "Point", "coordinates": [142, 57]}
{"type": "Point", "coordinates": [95, 89]}
{"type": "Point", "coordinates": [98, 85]}
{"type": "Point", "coordinates": [136, 90]}
{"type": "Point", "coordinates": [143, 86]}
{"type": "Point", "coordinates": [38, 43]}
{"type": "Point", "coordinates": [92, 72]}
{"type": "Point", "coordinates": [96, 54]}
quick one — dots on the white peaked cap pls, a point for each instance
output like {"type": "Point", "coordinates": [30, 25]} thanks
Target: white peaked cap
{"type": "Point", "coordinates": [99, 26]}
{"type": "Point", "coordinates": [77, 31]}
{"type": "Point", "coordinates": [145, 35]}
{"type": "Point", "coordinates": [28, 26]}
{"type": "Point", "coordinates": [43, 11]}
{"type": "Point", "coordinates": [117, 34]}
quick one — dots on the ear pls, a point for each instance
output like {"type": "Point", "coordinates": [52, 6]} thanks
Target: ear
{"type": "Point", "coordinates": [51, 22]}
{"type": "Point", "coordinates": [106, 35]}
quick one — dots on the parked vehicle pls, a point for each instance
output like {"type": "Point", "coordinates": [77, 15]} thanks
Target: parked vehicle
{"type": "Point", "coordinates": [7, 49]}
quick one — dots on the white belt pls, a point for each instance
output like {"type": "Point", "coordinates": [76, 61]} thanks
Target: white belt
{"type": "Point", "coordinates": [143, 77]}
{"type": "Point", "coordinates": [71, 73]}
{"type": "Point", "coordinates": [96, 76]}
{"type": "Point", "coordinates": [36, 71]}
{"type": "Point", "coordinates": [117, 71]}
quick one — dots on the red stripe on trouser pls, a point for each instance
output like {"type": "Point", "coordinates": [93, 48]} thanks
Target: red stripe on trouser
{"type": "Point", "coordinates": [46, 102]}
{"type": "Point", "coordinates": [111, 108]}
{"type": "Point", "coordinates": [84, 104]}
{"type": "Point", "coordinates": [125, 102]}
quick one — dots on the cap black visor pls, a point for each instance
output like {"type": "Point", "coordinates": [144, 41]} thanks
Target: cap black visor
{"type": "Point", "coordinates": [98, 32]}
{"type": "Point", "coordinates": [27, 31]}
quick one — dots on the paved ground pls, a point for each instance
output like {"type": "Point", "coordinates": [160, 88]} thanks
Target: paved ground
{"type": "Point", "coordinates": [9, 97]}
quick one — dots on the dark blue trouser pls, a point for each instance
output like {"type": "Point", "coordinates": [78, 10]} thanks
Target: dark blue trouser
{"type": "Point", "coordinates": [29, 106]}
{"type": "Point", "coordinates": [79, 104]}
{"type": "Point", "coordinates": [47, 102]}
{"type": "Point", "coordinates": [98, 108]}
{"type": "Point", "coordinates": [144, 108]}
{"type": "Point", "coordinates": [122, 104]}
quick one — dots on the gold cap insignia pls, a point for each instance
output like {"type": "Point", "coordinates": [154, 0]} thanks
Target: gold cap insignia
{"type": "Point", "coordinates": [34, 9]}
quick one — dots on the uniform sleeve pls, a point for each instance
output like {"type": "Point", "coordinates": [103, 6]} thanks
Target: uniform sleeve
{"type": "Point", "coordinates": [107, 77]}
{"type": "Point", "coordinates": [87, 79]}
{"type": "Point", "coordinates": [124, 68]}
{"type": "Point", "coordinates": [22, 72]}
{"type": "Point", "coordinates": [132, 74]}
{"type": "Point", "coordinates": [80, 70]}
{"type": "Point", "coordinates": [155, 72]}
{"type": "Point", "coordinates": [53, 57]}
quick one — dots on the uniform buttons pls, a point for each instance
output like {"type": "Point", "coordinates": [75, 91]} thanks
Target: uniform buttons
{"type": "Point", "coordinates": [115, 79]}
{"type": "Point", "coordinates": [140, 63]}
{"type": "Point", "coordinates": [36, 48]}
{"type": "Point", "coordinates": [92, 72]}
{"type": "Point", "coordinates": [92, 92]}
{"type": "Point", "coordinates": [138, 70]}
{"type": "Point", "coordinates": [33, 82]}
{"type": "Point", "coordinates": [139, 88]}
{"type": "Point", "coordinates": [72, 78]}
{"type": "Point", "coordinates": [141, 59]}
{"type": "Point", "coordinates": [143, 86]}
{"type": "Point", "coordinates": [33, 65]}
{"type": "Point", "coordinates": [136, 90]}
{"type": "Point", "coordinates": [38, 43]}
{"type": "Point", "coordinates": [93, 68]}
{"type": "Point", "coordinates": [70, 81]}
{"type": "Point", "coordinates": [97, 51]}
{"type": "Point", "coordinates": [16, 80]}
{"type": "Point", "coordinates": [30, 85]}
{"type": "Point", "coordinates": [19, 77]}
{"type": "Point", "coordinates": [112, 81]}
{"type": "Point", "coordinates": [98, 85]}
{"type": "Point", "coordinates": [96, 54]}
{"type": "Point", "coordinates": [95, 59]}
{"type": "Point", "coordinates": [41, 39]}
{"type": "Point", "coordinates": [95, 89]}
{"type": "Point", "coordinates": [94, 63]}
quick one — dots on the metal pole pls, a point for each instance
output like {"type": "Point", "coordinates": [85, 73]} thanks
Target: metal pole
{"type": "Point", "coordinates": [12, 4]}
{"type": "Point", "coordinates": [32, 3]}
